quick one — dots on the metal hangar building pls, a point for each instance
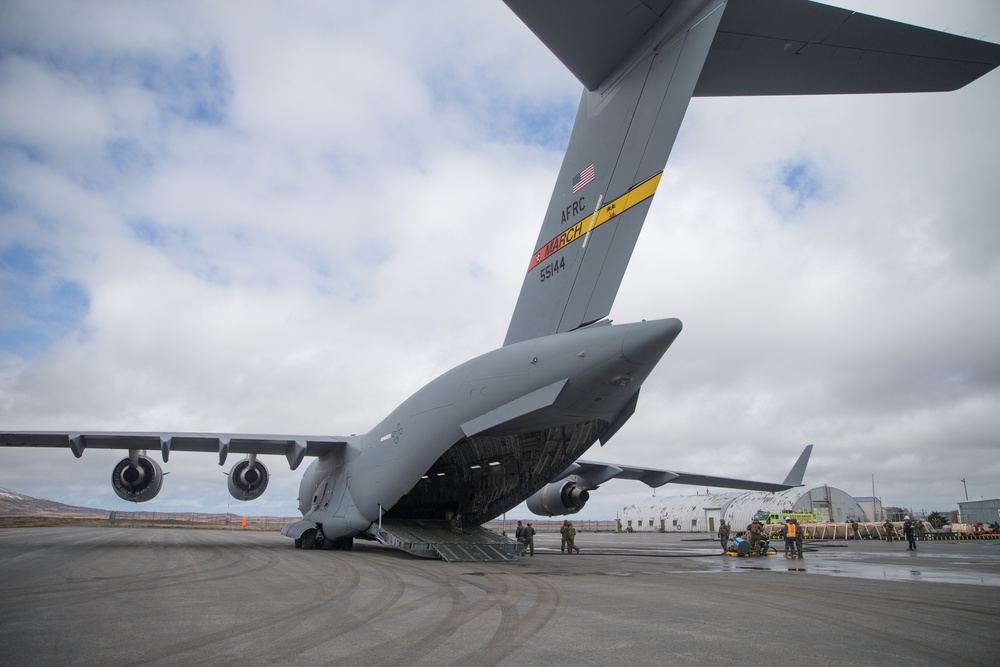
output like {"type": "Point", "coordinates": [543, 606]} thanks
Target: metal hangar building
{"type": "Point", "coordinates": [701, 513]}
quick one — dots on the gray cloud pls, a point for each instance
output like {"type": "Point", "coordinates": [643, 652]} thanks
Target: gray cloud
{"type": "Point", "coordinates": [289, 219]}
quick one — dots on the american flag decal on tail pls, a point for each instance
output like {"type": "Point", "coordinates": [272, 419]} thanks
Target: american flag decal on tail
{"type": "Point", "coordinates": [586, 176]}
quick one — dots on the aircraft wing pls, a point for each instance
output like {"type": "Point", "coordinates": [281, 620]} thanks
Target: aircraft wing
{"type": "Point", "coordinates": [591, 474]}
{"type": "Point", "coordinates": [294, 448]}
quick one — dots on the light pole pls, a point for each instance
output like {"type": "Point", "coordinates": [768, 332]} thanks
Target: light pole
{"type": "Point", "coordinates": [875, 513]}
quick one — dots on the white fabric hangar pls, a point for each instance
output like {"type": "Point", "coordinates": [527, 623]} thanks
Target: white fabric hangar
{"type": "Point", "coordinates": [701, 513]}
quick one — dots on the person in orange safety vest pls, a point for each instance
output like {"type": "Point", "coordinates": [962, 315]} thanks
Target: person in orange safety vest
{"type": "Point", "coordinates": [789, 538]}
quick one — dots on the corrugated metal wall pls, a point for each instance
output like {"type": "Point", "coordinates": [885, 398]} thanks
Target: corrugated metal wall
{"type": "Point", "coordinates": [701, 513]}
{"type": "Point", "coordinates": [980, 511]}
{"type": "Point", "coordinates": [832, 503]}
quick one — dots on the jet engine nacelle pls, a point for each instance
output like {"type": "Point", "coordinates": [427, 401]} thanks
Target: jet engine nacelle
{"type": "Point", "coordinates": [247, 480]}
{"type": "Point", "coordinates": [558, 498]}
{"type": "Point", "coordinates": [137, 479]}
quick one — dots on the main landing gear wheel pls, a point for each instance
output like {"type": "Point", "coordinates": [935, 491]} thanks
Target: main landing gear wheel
{"type": "Point", "coordinates": [307, 541]}
{"type": "Point", "coordinates": [337, 544]}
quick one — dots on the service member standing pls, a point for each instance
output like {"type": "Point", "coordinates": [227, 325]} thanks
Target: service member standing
{"type": "Point", "coordinates": [910, 536]}
{"type": "Point", "coordinates": [755, 529]}
{"type": "Point", "coordinates": [724, 534]}
{"type": "Point", "coordinates": [790, 533]}
{"type": "Point", "coordinates": [528, 536]}
{"type": "Point", "coordinates": [564, 533]}
{"type": "Point", "coordinates": [799, 536]}
{"type": "Point", "coordinates": [889, 530]}
{"type": "Point", "coordinates": [571, 539]}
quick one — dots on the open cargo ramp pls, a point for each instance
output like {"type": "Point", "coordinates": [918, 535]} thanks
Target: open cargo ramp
{"type": "Point", "coordinates": [435, 539]}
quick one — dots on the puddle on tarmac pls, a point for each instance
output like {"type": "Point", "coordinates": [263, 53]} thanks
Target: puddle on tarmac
{"type": "Point", "coordinates": [887, 572]}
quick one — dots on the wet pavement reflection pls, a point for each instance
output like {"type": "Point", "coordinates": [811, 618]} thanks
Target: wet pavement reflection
{"type": "Point", "coordinates": [971, 563]}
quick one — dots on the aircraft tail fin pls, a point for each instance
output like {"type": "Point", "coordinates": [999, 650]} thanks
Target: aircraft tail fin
{"type": "Point", "coordinates": [798, 471]}
{"type": "Point", "coordinates": [640, 68]}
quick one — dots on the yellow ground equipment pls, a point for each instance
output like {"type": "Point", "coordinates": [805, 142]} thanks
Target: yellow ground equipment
{"type": "Point", "coordinates": [740, 547]}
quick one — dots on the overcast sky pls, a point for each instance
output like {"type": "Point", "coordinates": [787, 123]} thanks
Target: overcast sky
{"type": "Point", "coordinates": [287, 217]}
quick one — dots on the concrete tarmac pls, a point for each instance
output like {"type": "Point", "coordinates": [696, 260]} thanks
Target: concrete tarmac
{"type": "Point", "coordinates": [89, 596]}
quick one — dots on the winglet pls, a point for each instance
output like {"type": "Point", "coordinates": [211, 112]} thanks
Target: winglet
{"type": "Point", "coordinates": [798, 470]}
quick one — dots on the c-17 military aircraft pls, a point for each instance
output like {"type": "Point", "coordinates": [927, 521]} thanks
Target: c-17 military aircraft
{"type": "Point", "coordinates": [511, 425]}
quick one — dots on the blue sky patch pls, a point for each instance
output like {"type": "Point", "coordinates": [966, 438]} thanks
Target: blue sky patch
{"type": "Point", "coordinates": [128, 156]}
{"type": "Point", "coordinates": [549, 127]}
{"type": "Point", "coordinates": [183, 249]}
{"type": "Point", "coordinates": [196, 86]}
{"type": "Point", "coordinates": [501, 116]}
{"type": "Point", "coordinates": [21, 260]}
{"type": "Point", "coordinates": [801, 179]}
{"type": "Point", "coordinates": [38, 310]}
{"type": "Point", "coordinates": [148, 233]}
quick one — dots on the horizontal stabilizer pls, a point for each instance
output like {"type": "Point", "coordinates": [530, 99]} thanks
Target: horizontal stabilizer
{"type": "Point", "coordinates": [767, 47]}
{"type": "Point", "coordinates": [795, 47]}
{"type": "Point", "coordinates": [591, 39]}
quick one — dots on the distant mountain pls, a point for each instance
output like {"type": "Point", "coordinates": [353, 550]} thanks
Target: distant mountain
{"type": "Point", "coordinates": [18, 504]}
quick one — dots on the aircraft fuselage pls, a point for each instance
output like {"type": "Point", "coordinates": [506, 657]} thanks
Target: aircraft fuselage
{"type": "Point", "coordinates": [487, 434]}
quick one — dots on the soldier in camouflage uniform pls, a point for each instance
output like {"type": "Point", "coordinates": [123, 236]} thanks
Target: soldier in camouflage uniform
{"type": "Point", "coordinates": [755, 529]}
{"type": "Point", "coordinates": [724, 534]}
{"type": "Point", "coordinates": [571, 539]}
{"type": "Point", "coordinates": [528, 536]}
{"type": "Point", "coordinates": [889, 530]}
{"type": "Point", "coordinates": [799, 536]}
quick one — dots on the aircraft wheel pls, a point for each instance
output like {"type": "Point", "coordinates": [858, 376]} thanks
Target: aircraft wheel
{"type": "Point", "coordinates": [309, 539]}
{"type": "Point", "coordinates": [327, 544]}
{"type": "Point", "coordinates": [344, 543]}
{"type": "Point", "coordinates": [298, 542]}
